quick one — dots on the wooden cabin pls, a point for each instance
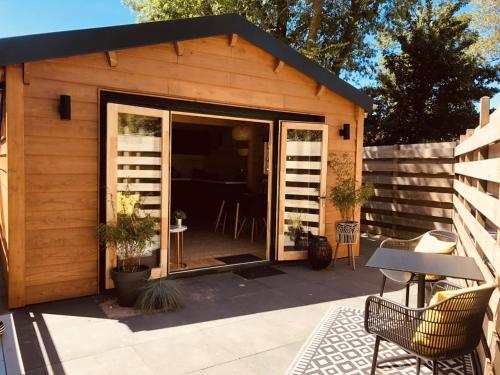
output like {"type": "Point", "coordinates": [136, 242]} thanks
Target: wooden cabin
{"type": "Point", "coordinates": [208, 115]}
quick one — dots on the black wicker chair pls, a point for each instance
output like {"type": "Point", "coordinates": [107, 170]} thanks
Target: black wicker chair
{"type": "Point", "coordinates": [444, 330]}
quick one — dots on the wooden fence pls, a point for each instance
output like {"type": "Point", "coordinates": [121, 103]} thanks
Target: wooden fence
{"type": "Point", "coordinates": [450, 186]}
{"type": "Point", "coordinates": [476, 216]}
{"type": "Point", "coordinates": [413, 189]}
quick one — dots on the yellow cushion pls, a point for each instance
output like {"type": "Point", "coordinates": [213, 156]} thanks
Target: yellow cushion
{"type": "Point", "coordinates": [126, 202]}
{"type": "Point", "coordinates": [431, 244]}
{"type": "Point", "coordinates": [433, 334]}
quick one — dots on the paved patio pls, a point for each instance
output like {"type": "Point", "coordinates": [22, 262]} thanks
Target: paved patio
{"type": "Point", "coordinates": [229, 325]}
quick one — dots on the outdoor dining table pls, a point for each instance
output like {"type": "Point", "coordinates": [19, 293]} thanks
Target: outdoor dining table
{"type": "Point", "coordinates": [421, 264]}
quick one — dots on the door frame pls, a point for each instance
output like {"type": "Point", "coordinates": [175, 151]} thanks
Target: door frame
{"type": "Point", "coordinates": [113, 109]}
{"type": "Point", "coordinates": [280, 232]}
{"type": "Point", "coordinates": [106, 95]}
{"type": "Point", "coordinates": [270, 177]}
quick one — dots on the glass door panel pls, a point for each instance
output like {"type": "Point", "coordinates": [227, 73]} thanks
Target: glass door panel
{"type": "Point", "coordinates": [137, 175]}
{"type": "Point", "coordinates": [302, 187]}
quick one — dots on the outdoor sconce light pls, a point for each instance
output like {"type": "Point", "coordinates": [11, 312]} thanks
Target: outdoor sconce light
{"type": "Point", "coordinates": [65, 107]}
{"type": "Point", "coordinates": [345, 131]}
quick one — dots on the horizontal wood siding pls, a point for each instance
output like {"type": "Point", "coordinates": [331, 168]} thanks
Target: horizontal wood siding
{"type": "Point", "coordinates": [477, 216]}
{"type": "Point", "coordinates": [413, 188]}
{"type": "Point", "coordinates": [62, 156]}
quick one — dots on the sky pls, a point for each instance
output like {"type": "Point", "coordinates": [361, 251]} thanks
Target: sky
{"type": "Point", "coordinates": [23, 17]}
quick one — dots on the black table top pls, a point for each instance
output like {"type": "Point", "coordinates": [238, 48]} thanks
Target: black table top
{"type": "Point", "coordinates": [426, 263]}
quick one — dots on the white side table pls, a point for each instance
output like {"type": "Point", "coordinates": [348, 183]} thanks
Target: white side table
{"type": "Point", "coordinates": [179, 230]}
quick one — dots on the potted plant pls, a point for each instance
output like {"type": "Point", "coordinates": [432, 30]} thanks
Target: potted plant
{"type": "Point", "coordinates": [179, 215]}
{"type": "Point", "coordinates": [347, 195]}
{"type": "Point", "coordinates": [296, 230]}
{"type": "Point", "coordinates": [129, 235]}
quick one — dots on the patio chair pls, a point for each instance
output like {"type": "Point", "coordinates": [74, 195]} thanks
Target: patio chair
{"type": "Point", "coordinates": [434, 241]}
{"type": "Point", "coordinates": [450, 327]}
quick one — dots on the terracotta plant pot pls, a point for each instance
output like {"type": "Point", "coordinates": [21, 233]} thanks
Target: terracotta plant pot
{"type": "Point", "coordinates": [320, 252]}
{"type": "Point", "coordinates": [347, 232]}
{"type": "Point", "coordinates": [129, 284]}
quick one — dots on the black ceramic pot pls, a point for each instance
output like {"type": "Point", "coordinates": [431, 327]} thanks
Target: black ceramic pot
{"type": "Point", "coordinates": [320, 252]}
{"type": "Point", "coordinates": [302, 242]}
{"type": "Point", "coordinates": [128, 284]}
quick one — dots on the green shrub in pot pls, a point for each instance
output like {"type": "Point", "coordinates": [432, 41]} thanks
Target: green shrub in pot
{"type": "Point", "coordinates": [129, 235]}
{"type": "Point", "coordinates": [347, 195]}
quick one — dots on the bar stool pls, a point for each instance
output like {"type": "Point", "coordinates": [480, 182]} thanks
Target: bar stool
{"type": "Point", "coordinates": [229, 210]}
{"type": "Point", "coordinates": [254, 209]}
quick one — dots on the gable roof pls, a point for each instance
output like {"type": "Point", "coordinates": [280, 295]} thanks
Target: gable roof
{"type": "Point", "coordinates": [21, 49]}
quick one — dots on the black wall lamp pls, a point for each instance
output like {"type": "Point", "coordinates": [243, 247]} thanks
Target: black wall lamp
{"type": "Point", "coordinates": [65, 107]}
{"type": "Point", "coordinates": [345, 131]}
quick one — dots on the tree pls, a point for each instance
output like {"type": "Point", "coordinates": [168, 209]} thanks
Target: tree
{"type": "Point", "coordinates": [485, 16]}
{"type": "Point", "coordinates": [335, 33]}
{"type": "Point", "coordinates": [428, 81]}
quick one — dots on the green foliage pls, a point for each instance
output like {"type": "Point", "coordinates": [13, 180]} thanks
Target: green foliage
{"type": "Point", "coordinates": [160, 295]}
{"type": "Point", "coordinates": [429, 81]}
{"type": "Point", "coordinates": [347, 194]}
{"type": "Point", "coordinates": [485, 17]}
{"type": "Point", "coordinates": [180, 215]}
{"type": "Point", "coordinates": [304, 135]}
{"type": "Point", "coordinates": [137, 124]}
{"type": "Point", "coordinates": [332, 32]}
{"type": "Point", "coordinates": [129, 235]}
{"type": "Point", "coordinates": [295, 226]}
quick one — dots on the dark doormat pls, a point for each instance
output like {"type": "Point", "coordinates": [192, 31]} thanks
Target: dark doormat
{"type": "Point", "coordinates": [242, 258]}
{"type": "Point", "coordinates": [251, 273]}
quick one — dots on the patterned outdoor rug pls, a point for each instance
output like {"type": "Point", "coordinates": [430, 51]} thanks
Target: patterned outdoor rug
{"type": "Point", "coordinates": [340, 345]}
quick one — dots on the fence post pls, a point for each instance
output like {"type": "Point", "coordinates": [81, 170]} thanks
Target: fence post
{"type": "Point", "coordinates": [484, 111]}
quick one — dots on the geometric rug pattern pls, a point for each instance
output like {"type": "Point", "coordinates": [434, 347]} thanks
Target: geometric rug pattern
{"type": "Point", "coordinates": [340, 345]}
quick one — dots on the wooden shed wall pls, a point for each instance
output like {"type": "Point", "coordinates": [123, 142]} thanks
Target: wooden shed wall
{"type": "Point", "coordinates": [62, 156]}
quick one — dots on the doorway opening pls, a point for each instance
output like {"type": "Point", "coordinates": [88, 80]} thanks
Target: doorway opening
{"type": "Point", "coordinates": [220, 180]}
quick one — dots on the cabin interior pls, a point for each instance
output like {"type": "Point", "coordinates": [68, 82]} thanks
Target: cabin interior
{"type": "Point", "coordinates": [219, 178]}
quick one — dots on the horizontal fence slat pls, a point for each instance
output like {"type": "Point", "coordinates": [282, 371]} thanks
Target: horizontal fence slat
{"type": "Point", "coordinates": [489, 133]}
{"type": "Point", "coordinates": [441, 153]}
{"type": "Point", "coordinates": [415, 195]}
{"type": "Point", "coordinates": [414, 167]}
{"type": "Point", "coordinates": [484, 239]}
{"type": "Point", "coordinates": [408, 208]}
{"type": "Point", "coordinates": [488, 169]}
{"type": "Point", "coordinates": [415, 181]}
{"type": "Point", "coordinates": [469, 249]}
{"type": "Point", "coordinates": [487, 204]}
{"type": "Point", "coordinates": [404, 221]}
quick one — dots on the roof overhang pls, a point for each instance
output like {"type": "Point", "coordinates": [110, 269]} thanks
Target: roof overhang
{"type": "Point", "coordinates": [28, 48]}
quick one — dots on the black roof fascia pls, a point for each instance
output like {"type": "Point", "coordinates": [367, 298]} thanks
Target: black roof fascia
{"type": "Point", "coordinates": [21, 49]}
